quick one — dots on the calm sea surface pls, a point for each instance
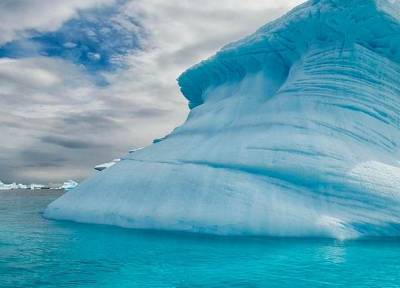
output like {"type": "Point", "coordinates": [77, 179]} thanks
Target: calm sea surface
{"type": "Point", "coordinates": [35, 252]}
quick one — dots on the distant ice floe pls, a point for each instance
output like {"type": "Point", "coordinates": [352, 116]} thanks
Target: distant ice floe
{"type": "Point", "coordinates": [11, 186]}
{"type": "Point", "coordinates": [68, 185]}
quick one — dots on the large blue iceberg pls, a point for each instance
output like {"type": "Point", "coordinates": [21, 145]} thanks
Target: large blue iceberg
{"type": "Point", "coordinates": [293, 131]}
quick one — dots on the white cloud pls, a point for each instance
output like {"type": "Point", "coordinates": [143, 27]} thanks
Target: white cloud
{"type": "Point", "coordinates": [27, 72]}
{"type": "Point", "coordinates": [180, 33]}
{"type": "Point", "coordinates": [43, 96]}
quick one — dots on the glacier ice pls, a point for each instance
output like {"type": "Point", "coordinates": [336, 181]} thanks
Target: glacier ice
{"type": "Point", "coordinates": [293, 131]}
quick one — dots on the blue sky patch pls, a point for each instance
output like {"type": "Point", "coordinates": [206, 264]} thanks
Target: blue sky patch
{"type": "Point", "coordinates": [97, 39]}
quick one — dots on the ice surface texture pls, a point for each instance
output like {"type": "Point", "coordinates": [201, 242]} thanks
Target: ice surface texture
{"type": "Point", "coordinates": [293, 131]}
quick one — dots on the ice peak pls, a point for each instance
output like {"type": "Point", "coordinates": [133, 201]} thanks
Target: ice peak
{"type": "Point", "coordinates": [275, 47]}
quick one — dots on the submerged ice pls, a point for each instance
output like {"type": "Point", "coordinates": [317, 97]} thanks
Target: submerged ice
{"type": "Point", "coordinates": [293, 131]}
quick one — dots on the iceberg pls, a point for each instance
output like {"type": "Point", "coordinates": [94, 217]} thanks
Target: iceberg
{"type": "Point", "coordinates": [293, 131]}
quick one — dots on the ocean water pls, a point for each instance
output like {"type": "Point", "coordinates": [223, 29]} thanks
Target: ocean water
{"type": "Point", "coordinates": [35, 252]}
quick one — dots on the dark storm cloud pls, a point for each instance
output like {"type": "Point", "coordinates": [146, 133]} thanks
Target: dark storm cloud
{"type": "Point", "coordinates": [149, 112]}
{"type": "Point", "coordinates": [70, 143]}
{"type": "Point", "coordinates": [93, 120]}
{"type": "Point", "coordinates": [33, 158]}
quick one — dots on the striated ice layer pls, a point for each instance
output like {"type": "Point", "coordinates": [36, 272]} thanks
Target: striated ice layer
{"type": "Point", "coordinates": [294, 131]}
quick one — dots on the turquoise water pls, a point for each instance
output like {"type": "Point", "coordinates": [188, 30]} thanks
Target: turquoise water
{"type": "Point", "coordinates": [35, 252]}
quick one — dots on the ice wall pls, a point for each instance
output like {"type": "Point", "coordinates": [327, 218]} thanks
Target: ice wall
{"type": "Point", "coordinates": [293, 131]}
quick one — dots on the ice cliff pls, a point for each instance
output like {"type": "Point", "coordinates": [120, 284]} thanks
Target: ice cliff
{"type": "Point", "coordinates": [293, 131]}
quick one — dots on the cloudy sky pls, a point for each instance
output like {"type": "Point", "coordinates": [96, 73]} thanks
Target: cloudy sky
{"type": "Point", "coordinates": [84, 81]}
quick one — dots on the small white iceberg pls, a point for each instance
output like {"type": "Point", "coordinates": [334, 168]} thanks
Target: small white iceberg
{"type": "Point", "coordinates": [69, 185]}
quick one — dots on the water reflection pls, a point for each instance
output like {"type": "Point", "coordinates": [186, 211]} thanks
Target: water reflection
{"type": "Point", "coordinates": [335, 253]}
